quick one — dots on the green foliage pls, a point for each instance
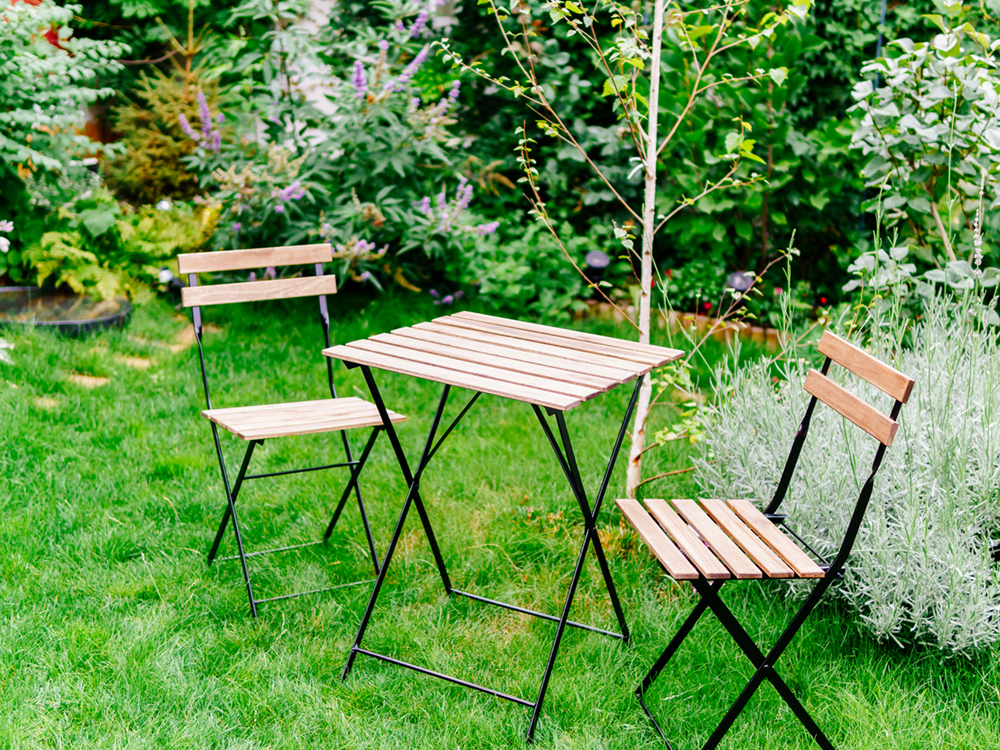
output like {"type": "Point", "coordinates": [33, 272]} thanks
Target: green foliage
{"type": "Point", "coordinates": [44, 86]}
{"type": "Point", "coordinates": [931, 135]}
{"type": "Point", "coordinates": [529, 274]}
{"type": "Point", "coordinates": [150, 167]}
{"type": "Point", "coordinates": [96, 246]}
{"type": "Point", "coordinates": [339, 135]}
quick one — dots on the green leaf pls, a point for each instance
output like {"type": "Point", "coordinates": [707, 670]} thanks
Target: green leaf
{"type": "Point", "coordinates": [732, 141]}
{"type": "Point", "coordinates": [778, 75]}
{"type": "Point", "coordinates": [615, 84]}
{"type": "Point", "coordinates": [699, 31]}
{"type": "Point", "coordinates": [937, 20]}
{"type": "Point", "coordinates": [98, 220]}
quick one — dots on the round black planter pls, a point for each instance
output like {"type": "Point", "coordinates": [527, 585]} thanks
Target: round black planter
{"type": "Point", "coordinates": [70, 314]}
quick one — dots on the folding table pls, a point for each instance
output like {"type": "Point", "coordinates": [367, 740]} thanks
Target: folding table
{"type": "Point", "coordinates": [551, 369]}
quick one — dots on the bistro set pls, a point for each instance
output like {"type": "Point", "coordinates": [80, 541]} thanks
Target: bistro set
{"type": "Point", "coordinates": [708, 542]}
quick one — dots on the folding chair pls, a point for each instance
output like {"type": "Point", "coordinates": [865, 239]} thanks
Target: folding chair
{"type": "Point", "coordinates": [711, 542]}
{"type": "Point", "coordinates": [255, 424]}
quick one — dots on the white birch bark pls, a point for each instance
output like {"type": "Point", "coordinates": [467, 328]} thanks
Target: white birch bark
{"type": "Point", "coordinates": [634, 471]}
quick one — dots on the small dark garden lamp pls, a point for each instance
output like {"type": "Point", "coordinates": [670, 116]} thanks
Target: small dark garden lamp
{"type": "Point", "coordinates": [596, 261]}
{"type": "Point", "coordinates": [741, 281]}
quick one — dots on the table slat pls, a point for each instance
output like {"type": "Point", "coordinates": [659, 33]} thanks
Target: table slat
{"type": "Point", "coordinates": [514, 365]}
{"type": "Point", "coordinates": [581, 336]}
{"type": "Point", "coordinates": [645, 358]}
{"type": "Point", "coordinates": [449, 339]}
{"type": "Point", "coordinates": [634, 368]}
{"type": "Point", "coordinates": [451, 377]}
{"type": "Point", "coordinates": [581, 392]}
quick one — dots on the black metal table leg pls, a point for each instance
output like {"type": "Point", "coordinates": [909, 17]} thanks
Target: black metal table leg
{"type": "Point", "coordinates": [570, 468]}
{"type": "Point", "coordinates": [412, 496]}
{"type": "Point", "coordinates": [353, 483]}
{"type": "Point", "coordinates": [590, 515]}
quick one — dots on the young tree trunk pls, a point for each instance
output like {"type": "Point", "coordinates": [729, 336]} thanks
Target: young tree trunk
{"type": "Point", "coordinates": [634, 472]}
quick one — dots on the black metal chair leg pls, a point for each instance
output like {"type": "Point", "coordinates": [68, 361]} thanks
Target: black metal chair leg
{"type": "Point", "coordinates": [671, 649]}
{"type": "Point", "coordinates": [764, 664]}
{"type": "Point", "coordinates": [230, 493]}
{"type": "Point", "coordinates": [231, 497]}
{"type": "Point", "coordinates": [555, 643]}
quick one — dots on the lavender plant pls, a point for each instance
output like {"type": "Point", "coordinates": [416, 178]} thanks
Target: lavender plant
{"type": "Point", "coordinates": [923, 568]}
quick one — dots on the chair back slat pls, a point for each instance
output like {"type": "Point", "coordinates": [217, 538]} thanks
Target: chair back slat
{"type": "Point", "coordinates": [253, 291]}
{"type": "Point", "coordinates": [869, 419]}
{"type": "Point", "coordinates": [239, 260]}
{"type": "Point", "coordinates": [865, 366]}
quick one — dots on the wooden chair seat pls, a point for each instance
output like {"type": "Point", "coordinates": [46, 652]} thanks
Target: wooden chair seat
{"type": "Point", "coordinates": [718, 540]}
{"type": "Point", "coordinates": [298, 417]}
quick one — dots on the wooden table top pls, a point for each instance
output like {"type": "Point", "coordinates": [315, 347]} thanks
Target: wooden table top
{"type": "Point", "coordinates": [538, 364]}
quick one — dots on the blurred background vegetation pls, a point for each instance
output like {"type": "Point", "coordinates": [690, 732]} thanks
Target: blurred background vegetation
{"type": "Point", "coordinates": [266, 122]}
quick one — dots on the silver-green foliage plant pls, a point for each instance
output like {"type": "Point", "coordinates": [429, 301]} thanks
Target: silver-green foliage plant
{"type": "Point", "coordinates": [44, 88]}
{"type": "Point", "coordinates": [922, 569]}
{"type": "Point", "coordinates": [930, 128]}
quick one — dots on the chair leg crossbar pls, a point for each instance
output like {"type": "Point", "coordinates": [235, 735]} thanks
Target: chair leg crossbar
{"type": "Point", "coordinates": [230, 514]}
{"type": "Point", "coordinates": [567, 461]}
{"type": "Point", "coordinates": [764, 664]}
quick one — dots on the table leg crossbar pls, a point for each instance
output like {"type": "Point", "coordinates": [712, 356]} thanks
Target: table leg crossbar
{"type": "Point", "coordinates": [230, 515]}
{"type": "Point", "coordinates": [567, 461]}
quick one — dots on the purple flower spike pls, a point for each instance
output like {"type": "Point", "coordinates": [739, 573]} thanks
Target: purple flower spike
{"type": "Point", "coordinates": [453, 94]}
{"type": "Point", "coordinates": [359, 81]}
{"type": "Point", "coordinates": [270, 272]}
{"type": "Point", "coordinates": [463, 195]}
{"type": "Point", "coordinates": [279, 209]}
{"type": "Point", "coordinates": [383, 45]}
{"type": "Point", "coordinates": [205, 115]}
{"type": "Point", "coordinates": [365, 275]}
{"type": "Point", "coordinates": [188, 130]}
{"type": "Point", "coordinates": [221, 118]}
{"type": "Point", "coordinates": [237, 227]}
{"type": "Point", "coordinates": [424, 205]}
{"type": "Point", "coordinates": [485, 229]}
{"type": "Point", "coordinates": [434, 293]}
{"type": "Point", "coordinates": [291, 193]}
{"type": "Point", "coordinates": [447, 300]}
{"type": "Point", "coordinates": [400, 27]}
{"type": "Point", "coordinates": [418, 26]}
{"type": "Point", "coordinates": [410, 70]}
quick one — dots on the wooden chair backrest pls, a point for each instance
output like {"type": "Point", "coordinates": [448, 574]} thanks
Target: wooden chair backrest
{"type": "Point", "coordinates": [252, 291]}
{"type": "Point", "coordinates": [867, 367]}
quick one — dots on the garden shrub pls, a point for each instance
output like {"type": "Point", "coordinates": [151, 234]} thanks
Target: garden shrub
{"type": "Point", "coordinates": [48, 77]}
{"type": "Point", "coordinates": [150, 168]}
{"type": "Point", "coordinates": [930, 134]}
{"type": "Point", "coordinates": [922, 570]}
{"type": "Point", "coordinates": [529, 275]}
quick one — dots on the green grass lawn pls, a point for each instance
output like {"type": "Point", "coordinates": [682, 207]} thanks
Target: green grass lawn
{"type": "Point", "coordinates": [114, 633]}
